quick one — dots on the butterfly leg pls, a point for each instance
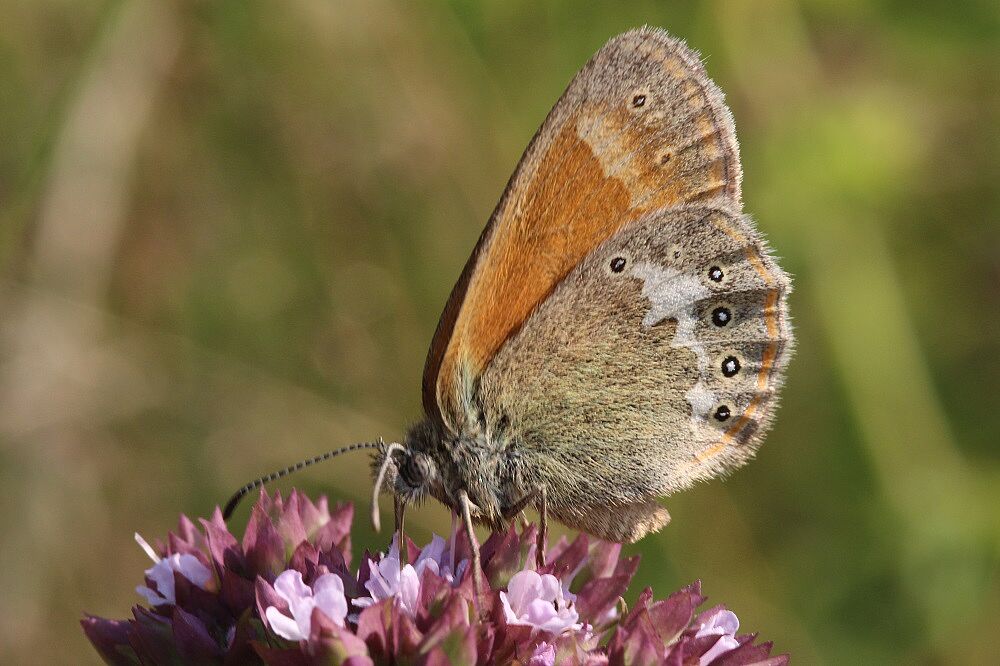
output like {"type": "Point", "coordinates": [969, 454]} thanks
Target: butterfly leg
{"type": "Point", "coordinates": [400, 512]}
{"type": "Point", "coordinates": [519, 506]}
{"type": "Point", "coordinates": [543, 529]}
{"type": "Point", "coordinates": [477, 568]}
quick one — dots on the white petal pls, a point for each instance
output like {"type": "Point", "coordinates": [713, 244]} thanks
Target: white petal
{"type": "Point", "coordinates": [153, 598]}
{"type": "Point", "coordinates": [328, 591]}
{"type": "Point", "coordinates": [283, 625]}
{"type": "Point", "coordinates": [523, 588]}
{"type": "Point", "coordinates": [719, 623]}
{"type": "Point", "coordinates": [460, 569]}
{"type": "Point", "coordinates": [303, 615]}
{"type": "Point", "coordinates": [540, 613]}
{"type": "Point", "coordinates": [728, 622]}
{"type": "Point", "coordinates": [191, 568]}
{"type": "Point", "coordinates": [389, 569]}
{"type": "Point", "coordinates": [551, 589]}
{"type": "Point", "coordinates": [393, 548]}
{"type": "Point", "coordinates": [723, 645]}
{"type": "Point", "coordinates": [508, 612]}
{"type": "Point", "coordinates": [376, 584]}
{"type": "Point", "coordinates": [290, 587]}
{"type": "Point", "coordinates": [432, 551]}
{"type": "Point", "coordinates": [409, 589]}
{"type": "Point", "coordinates": [420, 567]}
{"type": "Point", "coordinates": [162, 574]}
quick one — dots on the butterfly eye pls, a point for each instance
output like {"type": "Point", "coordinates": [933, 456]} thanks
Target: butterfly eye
{"type": "Point", "coordinates": [411, 472]}
{"type": "Point", "coordinates": [722, 413]}
{"type": "Point", "coordinates": [618, 264]}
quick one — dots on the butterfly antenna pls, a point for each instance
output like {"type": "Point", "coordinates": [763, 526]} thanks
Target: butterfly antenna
{"type": "Point", "coordinates": [392, 448]}
{"type": "Point", "coordinates": [254, 485]}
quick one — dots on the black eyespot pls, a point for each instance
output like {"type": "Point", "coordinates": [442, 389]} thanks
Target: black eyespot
{"type": "Point", "coordinates": [715, 274]}
{"type": "Point", "coordinates": [721, 316]}
{"type": "Point", "coordinates": [677, 254]}
{"type": "Point", "coordinates": [618, 264]}
{"type": "Point", "coordinates": [638, 100]}
{"type": "Point", "coordinates": [730, 366]}
{"type": "Point", "coordinates": [722, 413]}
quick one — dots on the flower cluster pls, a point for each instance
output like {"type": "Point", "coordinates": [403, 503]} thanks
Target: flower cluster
{"type": "Point", "coordinates": [286, 595]}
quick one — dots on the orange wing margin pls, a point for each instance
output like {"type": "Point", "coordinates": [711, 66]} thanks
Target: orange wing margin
{"type": "Point", "coordinates": [640, 127]}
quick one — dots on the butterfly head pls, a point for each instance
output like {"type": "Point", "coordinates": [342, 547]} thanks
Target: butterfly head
{"type": "Point", "coordinates": [409, 471]}
{"type": "Point", "coordinates": [409, 474]}
{"type": "Point", "coordinates": [433, 462]}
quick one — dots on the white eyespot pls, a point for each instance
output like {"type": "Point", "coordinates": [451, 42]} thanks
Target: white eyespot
{"type": "Point", "coordinates": [722, 315]}
{"type": "Point", "coordinates": [730, 366]}
{"type": "Point", "coordinates": [722, 413]}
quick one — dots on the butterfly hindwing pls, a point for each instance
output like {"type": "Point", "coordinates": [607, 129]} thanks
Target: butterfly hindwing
{"type": "Point", "coordinates": [625, 384]}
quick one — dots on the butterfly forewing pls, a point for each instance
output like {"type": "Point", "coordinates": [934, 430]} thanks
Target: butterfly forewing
{"type": "Point", "coordinates": [640, 128]}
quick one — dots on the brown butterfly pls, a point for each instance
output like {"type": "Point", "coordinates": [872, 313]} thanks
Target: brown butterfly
{"type": "Point", "coordinates": [620, 330]}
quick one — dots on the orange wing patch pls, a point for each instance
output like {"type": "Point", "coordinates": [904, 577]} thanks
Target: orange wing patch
{"type": "Point", "coordinates": [554, 229]}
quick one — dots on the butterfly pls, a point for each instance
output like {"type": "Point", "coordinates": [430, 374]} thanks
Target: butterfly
{"type": "Point", "coordinates": [620, 331]}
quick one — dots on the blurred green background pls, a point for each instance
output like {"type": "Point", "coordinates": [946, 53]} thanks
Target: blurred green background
{"type": "Point", "coordinates": [227, 230]}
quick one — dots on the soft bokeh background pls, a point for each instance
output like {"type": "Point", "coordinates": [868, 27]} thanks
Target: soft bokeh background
{"type": "Point", "coordinates": [227, 230]}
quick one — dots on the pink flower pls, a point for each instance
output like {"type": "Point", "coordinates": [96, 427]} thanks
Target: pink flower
{"type": "Point", "coordinates": [326, 595]}
{"type": "Point", "coordinates": [724, 624]}
{"type": "Point", "coordinates": [162, 574]}
{"type": "Point", "coordinates": [439, 556]}
{"type": "Point", "coordinates": [544, 655]}
{"type": "Point", "coordinates": [280, 596]}
{"type": "Point", "coordinates": [389, 579]}
{"type": "Point", "coordinates": [541, 602]}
